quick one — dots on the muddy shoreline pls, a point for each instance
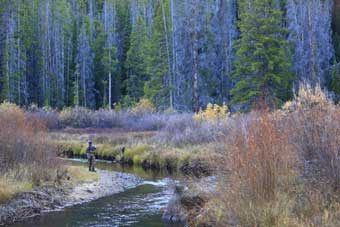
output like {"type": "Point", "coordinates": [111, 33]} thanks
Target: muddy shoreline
{"type": "Point", "coordinates": [53, 198]}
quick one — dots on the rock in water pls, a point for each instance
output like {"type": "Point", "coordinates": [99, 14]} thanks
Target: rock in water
{"type": "Point", "coordinates": [174, 212]}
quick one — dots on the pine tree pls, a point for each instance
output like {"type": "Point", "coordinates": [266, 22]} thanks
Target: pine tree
{"type": "Point", "coordinates": [157, 89]}
{"type": "Point", "coordinates": [262, 64]}
{"type": "Point", "coordinates": [123, 30]}
{"type": "Point", "coordinates": [109, 60]}
{"type": "Point", "coordinates": [109, 63]}
{"type": "Point", "coordinates": [85, 89]}
{"type": "Point", "coordinates": [136, 62]}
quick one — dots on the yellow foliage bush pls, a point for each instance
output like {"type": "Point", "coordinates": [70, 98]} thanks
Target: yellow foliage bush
{"type": "Point", "coordinates": [144, 106]}
{"type": "Point", "coordinates": [308, 97]}
{"type": "Point", "coordinates": [213, 113]}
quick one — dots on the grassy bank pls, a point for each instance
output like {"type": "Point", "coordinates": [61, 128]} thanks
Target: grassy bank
{"type": "Point", "coordinates": [11, 184]}
{"type": "Point", "coordinates": [142, 151]}
{"type": "Point", "coordinates": [27, 158]}
{"type": "Point", "coordinates": [77, 174]}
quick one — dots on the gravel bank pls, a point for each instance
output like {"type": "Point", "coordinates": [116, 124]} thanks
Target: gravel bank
{"type": "Point", "coordinates": [52, 198]}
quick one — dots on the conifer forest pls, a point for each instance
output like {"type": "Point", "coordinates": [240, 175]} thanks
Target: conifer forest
{"type": "Point", "coordinates": [179, 54]}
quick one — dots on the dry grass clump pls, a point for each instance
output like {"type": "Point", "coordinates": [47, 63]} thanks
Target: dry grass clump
{"type": "Point", "coordinates": [10, 186]}
{"type": "Point", "coordinates": [25, 155]}
{"type": "Point", "coordinates": [307, 98]}
{"type": "Point", "coordinates": [316, 135]}
{"type": "Point", "coordinates": [80, 174]}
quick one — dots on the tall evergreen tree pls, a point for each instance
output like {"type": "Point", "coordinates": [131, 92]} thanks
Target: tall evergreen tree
{"type": "Point", "coordinates": [109, 60]}
{"type": "Point", "coordinates": [158, 88]}
{"type": "Point", "coordinates": [136, 62]}
{"type": "Point", "coordinates": [84, 84]}
{"type": "Point", "coordinates": [263, 63]}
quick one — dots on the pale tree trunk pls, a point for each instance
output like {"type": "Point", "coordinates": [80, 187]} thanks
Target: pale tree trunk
{"type": "Point", "coordinates": [173, 52]}
{"type": "Point", "coordinates": [195, 100]}
{"type": "Point", "coordinates": [195, 75]}
{"type": "Point", "coordinates": [68, 71]}
{"type": "Point", "coordinates": [312, 47]}
{"type": "Point", "coordinates": [84, 84]}
{"type": "Point", "coordinates": [168, 53]}
{"type": "Point", "coordinates": [77, 88]}
{"type": "Point", "coordinates": [19, 66]}
{"type": "Point", "coordinates": [7, 67]}
{"type": "Point", "coordinates": [110, 84]}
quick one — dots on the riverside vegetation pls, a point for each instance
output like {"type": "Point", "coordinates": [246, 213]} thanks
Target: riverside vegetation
{"type": "Point", "coordinates": [273, 167]}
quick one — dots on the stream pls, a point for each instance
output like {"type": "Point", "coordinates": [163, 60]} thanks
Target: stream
{"type": "Point", "coordinates": [138, 207]}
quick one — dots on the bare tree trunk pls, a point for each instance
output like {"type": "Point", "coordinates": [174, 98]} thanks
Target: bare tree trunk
{"type": "Point", "coordinates": [173, 52]}
{"type": "Point", "coordinates": [168, 53]}
{"type": "Point", "coordinates": [77, 88]}
{"type": "Point", "coordinates": [19, 75]}
{"type": "Point", "coordinates": [110, 84]}
{"type": "Point", "coordinates": [195, 75]}
{"type": "Point", "coordinates": [195, 99]}
{"type": "Point", "coordinates": [84, 84]}
{"type": "Point", "coordinates": [7, 68]}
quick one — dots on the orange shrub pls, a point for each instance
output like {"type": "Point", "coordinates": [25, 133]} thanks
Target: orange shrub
{"type": "Point", "coordinates": [256, 171]}
{"type": "Point", "coordinates": [23, 143]}
{"type": "Point", "coordinates": [261, 157]}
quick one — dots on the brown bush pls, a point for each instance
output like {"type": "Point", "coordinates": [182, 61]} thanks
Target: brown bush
{"type": "Point", "coordinates": [257, 169]}
{"type": "Point", "coordinates": [24, 150]}
{"type": "Point", "coordinates": [316, 135]}
{"type": "Point", "coordinates": [281, 168]}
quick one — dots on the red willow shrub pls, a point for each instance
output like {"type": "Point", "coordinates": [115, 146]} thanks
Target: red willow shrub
{"type": "Point", "coordinates": [23, 145]}
{"type": "Point", "coordinates": [260, 159]}
{"type": "Point", "coordinates": [258, 166]}
{"type": "Point", "coordinates": [281, 168]}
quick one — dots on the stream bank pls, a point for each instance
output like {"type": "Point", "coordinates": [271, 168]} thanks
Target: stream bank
{"type": "Point", "coordinates": [56, 197]}
{"type": "Point", "coordinates": [138, 206]}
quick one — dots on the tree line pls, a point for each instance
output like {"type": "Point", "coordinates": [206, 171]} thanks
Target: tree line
{"type": "Point", "coordinates": [179, 54]}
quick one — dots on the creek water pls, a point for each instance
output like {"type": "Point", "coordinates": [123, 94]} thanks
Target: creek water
{"type": "Point", "coordinates": [138, 207]}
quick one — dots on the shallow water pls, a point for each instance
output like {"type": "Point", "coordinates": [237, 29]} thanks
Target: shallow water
{"type": "Point", "coordinates": [138, 207]}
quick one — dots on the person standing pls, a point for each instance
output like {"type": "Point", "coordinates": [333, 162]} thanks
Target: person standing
{"type": "Point", "coordinates": [91, 156]}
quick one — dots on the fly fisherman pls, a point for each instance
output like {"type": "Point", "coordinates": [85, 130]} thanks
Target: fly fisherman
{"type": "Point", "coordinates": [91, 156]}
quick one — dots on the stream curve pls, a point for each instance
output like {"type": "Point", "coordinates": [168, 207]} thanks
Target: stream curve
{"type": "Point", "coordinates": [141, 206]}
